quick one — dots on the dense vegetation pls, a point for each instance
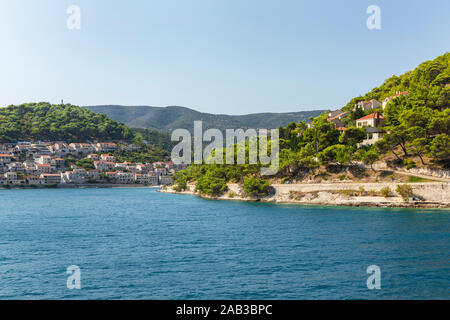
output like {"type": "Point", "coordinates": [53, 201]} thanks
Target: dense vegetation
{"type": "Point", "coordinates": [170, 118]}
{"type": "Point", "coordinates": [153, 138]}
{"type": "Point", "coordinates": [426, 85]}
{"type": "Point", "coordinates": [418, 125]}
{"type": "Point", "coordinates": [43, 121]}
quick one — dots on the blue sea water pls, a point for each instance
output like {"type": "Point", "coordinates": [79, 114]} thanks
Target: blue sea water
{"type": "Point", "coordinates": [140, 244]}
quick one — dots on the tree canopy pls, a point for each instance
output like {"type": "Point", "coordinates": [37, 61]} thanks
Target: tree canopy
{"type": "Point", "coordinates": [44, 121]}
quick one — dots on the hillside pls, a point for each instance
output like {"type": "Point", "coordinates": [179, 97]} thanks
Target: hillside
{"type": "Point", "coordinates": [44, 121]}
{"type": "Point", "coordinates": [428, 85]}
{"type": "Point", "coordinates": [170, 118]}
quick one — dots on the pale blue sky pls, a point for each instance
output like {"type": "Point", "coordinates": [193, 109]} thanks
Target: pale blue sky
{"type": "Point", "coordinates": [219, 56]}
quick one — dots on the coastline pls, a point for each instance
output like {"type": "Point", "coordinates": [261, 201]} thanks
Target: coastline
{"type": "Point", "coordinates": [81, 186]}
{"type": "Point", "coordinates": [426, 195]}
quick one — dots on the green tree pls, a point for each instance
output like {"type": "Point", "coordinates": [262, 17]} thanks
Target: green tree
{"type": "Point", "coordinates": [370, 157]}
{"type": "Point", "coordinates": [439, 147]}
{"type": "Point", "coordinates": [256, 187]}
{"type": "Point", "coordinates": [352, 136]}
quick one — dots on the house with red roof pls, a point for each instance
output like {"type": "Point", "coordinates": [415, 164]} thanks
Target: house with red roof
{"type": "Point", "coordinates": [107, 158]}
{"type": "Point", "coordinates": [44, 168]}
{"type": "Point", "coordinates": [373, 124]}
{"type": "Point", "coordinates": [336, 117]}
{"type": "Point", "coordinates": [371, 120]}
{"type": "Point", "coordinates": [5, 158]}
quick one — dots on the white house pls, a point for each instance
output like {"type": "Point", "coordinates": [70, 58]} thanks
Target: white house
{"type": "Point", "coordinates": [107, 158]}
{"type": "Point", "coordinates": [16, 167]}
{"type": "Point", "coordinates": [105, 146]}
{"type": "Point", "coordinates": [58, 162]}
{"type": "Point", "coordinates": [125, 177]}
{"type": "Point", "coordinates": [11, 178]}
{"type": "Point", "coordinates": [43, 168]}
{"type": "Point", "coordinates": [93, 156]}
{"type": "Point", "coordinates": [103, 165]}
{"type": "Point", "coordinates": [43, 160]}
{"type": "Point", "coordinates": [75, 176]}
{"type": "Point", "coordinates": [161, 171]}
{"type": "Point", "coordinates": [371, 120]}
{"type": "Point", "coordinates": [81, 147]}
{"type": "Point", "coordinates": [165, 180]}
{"type": "Point", "coordinates": [372, 124]}
{"type": "Point", "coordinates": [5, 158]}
{"type": "Point", "coordinates": [60, 148]}
{"type": "Point", "coordinates": [32, 179]}
{"type": "Point", "coordinates": [93, 175]}
{"type": "Point", "coordinates": [367, 105]}
{"type": "Point", "coordinates": [50, 178]}
{"type": "Point", "coordinates": [147, 179]}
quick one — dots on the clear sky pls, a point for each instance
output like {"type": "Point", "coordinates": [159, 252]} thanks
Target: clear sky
{"type": "Point", "coordinates": [218, 56]}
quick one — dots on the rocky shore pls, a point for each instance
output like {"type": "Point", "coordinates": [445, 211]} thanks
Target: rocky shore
{"type": "Point", "coordinates": [423, 195]}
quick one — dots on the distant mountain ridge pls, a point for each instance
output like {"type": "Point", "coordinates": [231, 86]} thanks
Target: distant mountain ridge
{"type": "Point", "coordinates": [174, 117]}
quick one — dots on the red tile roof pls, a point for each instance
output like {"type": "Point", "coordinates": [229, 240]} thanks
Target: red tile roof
{"type": "Point", "coordinates": [371, 116]}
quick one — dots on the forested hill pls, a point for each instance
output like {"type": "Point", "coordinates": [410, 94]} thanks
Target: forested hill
{"type": "Point", "coordinates": [170, 118]}
{"type": "Point", "coordinates": [428, 85]}
{"type": "Point", "coordinates": [44, 121]}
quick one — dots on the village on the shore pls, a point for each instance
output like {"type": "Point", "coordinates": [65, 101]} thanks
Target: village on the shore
{"type": "Point", "coordinates": [37, 163]}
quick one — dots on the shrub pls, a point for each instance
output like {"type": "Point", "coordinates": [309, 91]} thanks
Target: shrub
{"type": "Point", "coordinates": [256, 187]}
{"type": "Point", "coordinates": [386, 192]}
{"type": "Point", "coordinates": [181, 184]}
{"type": "Point", "coordinates": [410, 164]}
{"type": "Point", "coordinates": [342, 177]}
{"type": "Point", "coordinates": [361, 191]}
{"type": "Point", "coordinates": [231, 194]}
{"type": "Point", "coordinates": [315, 194]}
{"type": "Point", "coordinates": [296, 195]}
{"type": "Point", "coordinates": [350, 192]}
{"type": "Point", "coordinates": [399, 162]}
{"type": "Point", "coordinates": [405, 191]}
